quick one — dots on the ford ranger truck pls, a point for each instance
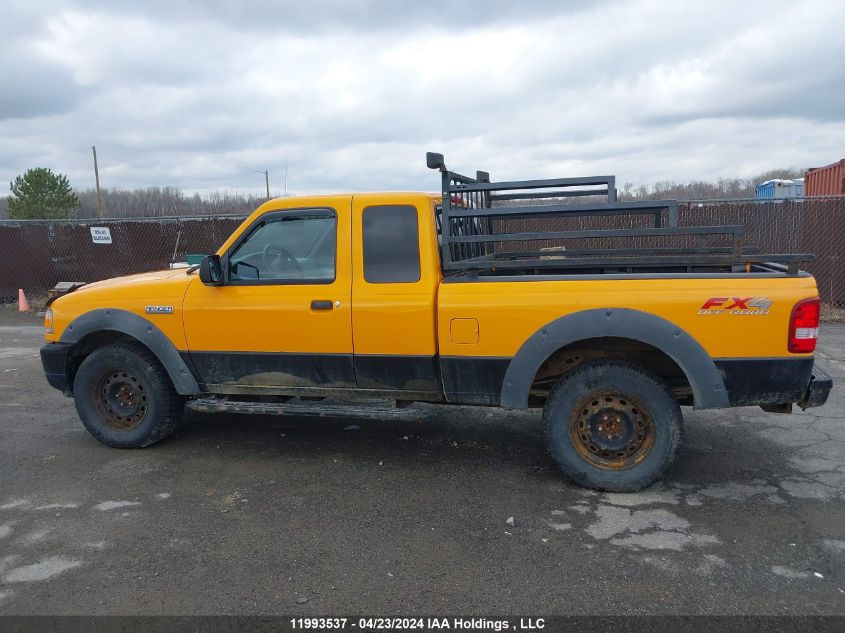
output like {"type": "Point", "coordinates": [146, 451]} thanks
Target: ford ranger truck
{"type": "Point", "coordinates": [608, 315]}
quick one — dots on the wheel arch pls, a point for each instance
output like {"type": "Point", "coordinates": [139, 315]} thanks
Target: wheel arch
{"type": "Point", "coordinates": [701, 372]}
{"type": "Point", "coordinates": [108, 325]}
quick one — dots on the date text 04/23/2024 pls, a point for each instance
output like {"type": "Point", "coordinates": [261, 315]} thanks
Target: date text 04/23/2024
{"type": "Point", "coordinates": [418, 624]}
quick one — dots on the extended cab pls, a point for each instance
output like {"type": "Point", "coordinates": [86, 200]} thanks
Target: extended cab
{"type": "Point", "coordinates": [608, 315]}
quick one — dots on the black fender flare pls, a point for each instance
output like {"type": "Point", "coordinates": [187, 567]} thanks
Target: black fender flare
{"type": "Point", "coordinates": [145, 332]}
{"type": "Point", "coordinates": [707, 384]}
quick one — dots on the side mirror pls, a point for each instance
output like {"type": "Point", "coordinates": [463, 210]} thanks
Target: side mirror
{"type": "Point", "coordinates": [211, 272]}
{"type": "Point", "coordinates": [433, 160]}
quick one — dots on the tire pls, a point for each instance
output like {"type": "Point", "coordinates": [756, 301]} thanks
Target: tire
{"type": "Point", "coordinates": [125, 398]}
{"type": "Point", "coordinates": [612, 425]}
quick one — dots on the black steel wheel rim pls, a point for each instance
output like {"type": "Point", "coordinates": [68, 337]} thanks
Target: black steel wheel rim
{"type": "Point", "coordinates": [611, 430]}
{"type": "Point", "coordinates": [121, 399]}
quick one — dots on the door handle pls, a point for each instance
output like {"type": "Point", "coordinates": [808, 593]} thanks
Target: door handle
{"type": "Point", "coordinates": [318, 304]}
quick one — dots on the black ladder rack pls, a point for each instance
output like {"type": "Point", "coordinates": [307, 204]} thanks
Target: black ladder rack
{"type": "Point", "coordinates": [469, 243]}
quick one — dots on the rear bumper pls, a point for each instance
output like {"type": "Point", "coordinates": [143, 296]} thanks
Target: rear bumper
{"type": "Point", "coordinates": [819, 389]}
{"type": "Point", "coordinates": [55, 360]}
{"type": "Point", "coordinates": [775, 382]}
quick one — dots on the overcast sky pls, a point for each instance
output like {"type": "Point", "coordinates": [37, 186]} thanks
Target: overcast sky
{"type": "Point", "coordinates": [352, 93]}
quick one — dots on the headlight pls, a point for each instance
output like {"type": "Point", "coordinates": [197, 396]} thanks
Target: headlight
{"type": "Point", "coordinates": [48, 322]}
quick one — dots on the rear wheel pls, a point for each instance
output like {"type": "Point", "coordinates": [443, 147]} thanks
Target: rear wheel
{"type": "Point", "coordinates": [125, 398]}
{"type": "Point", "coordinates": [612, 425]}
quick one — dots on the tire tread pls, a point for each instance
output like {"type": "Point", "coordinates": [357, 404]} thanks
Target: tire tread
{"type": "Point", "coordinates": [170, 405]}
{"type": "Point", "coordinates": [631, 480]}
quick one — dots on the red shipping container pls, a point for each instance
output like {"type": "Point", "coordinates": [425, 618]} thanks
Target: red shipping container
{"type": "Point", "coordinates": [825, 181]}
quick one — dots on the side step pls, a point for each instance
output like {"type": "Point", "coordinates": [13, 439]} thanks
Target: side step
{"type": "Point", "coordinates": [373, 411]}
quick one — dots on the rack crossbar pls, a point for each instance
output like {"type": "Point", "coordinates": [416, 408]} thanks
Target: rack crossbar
{"type": "Point", "coordinates": [469, 240]}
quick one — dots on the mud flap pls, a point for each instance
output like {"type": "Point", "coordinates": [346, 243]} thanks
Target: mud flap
{"type": "Point", "coordinates": [819, 389]}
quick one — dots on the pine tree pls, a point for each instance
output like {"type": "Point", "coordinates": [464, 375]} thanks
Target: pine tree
{"type": "Point", "coordinates": [41, 194]}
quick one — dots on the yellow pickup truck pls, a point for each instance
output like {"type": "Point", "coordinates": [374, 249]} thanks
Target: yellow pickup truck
{"type": "Point", "coordinates": [551, 293]}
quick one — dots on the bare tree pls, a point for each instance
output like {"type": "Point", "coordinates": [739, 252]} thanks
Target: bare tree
{"type": "Point", "coordinates": [170, 201]}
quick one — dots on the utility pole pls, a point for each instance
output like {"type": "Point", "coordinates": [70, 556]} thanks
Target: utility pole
{"type": "Point", "coordinates": [286, 180]}
{"type": "Point", "coordinates": [97, 179]}
{"type": "Point", "coordinates": [266, 177]}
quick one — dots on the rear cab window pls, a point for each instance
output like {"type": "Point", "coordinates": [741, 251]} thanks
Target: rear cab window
{"type": "Point", "coordinates": [391, 244]}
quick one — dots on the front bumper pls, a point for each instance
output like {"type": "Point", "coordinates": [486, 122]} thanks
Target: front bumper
{"type": "Point", "coordinates": [55, 357]}
{"type": "Point", "coordinates": [818, 390]}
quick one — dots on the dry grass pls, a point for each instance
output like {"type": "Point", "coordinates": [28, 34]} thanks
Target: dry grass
{"type": "Point", "coordinates": [832, 313]}
{"type": "Point", "coordinates": [36, 304]}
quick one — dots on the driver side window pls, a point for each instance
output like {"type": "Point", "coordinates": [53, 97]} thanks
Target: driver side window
{"type": "Point", "coordinates": [287, 247]}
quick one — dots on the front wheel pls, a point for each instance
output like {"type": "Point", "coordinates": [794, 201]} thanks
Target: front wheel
{"type": "Point", "coordinates": [612, 425]}
{"type": "Point", "coordinates": [125, 398]}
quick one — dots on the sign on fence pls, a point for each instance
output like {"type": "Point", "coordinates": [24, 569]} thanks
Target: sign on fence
{"type": "Point", "coordinates": [37, 254]}
{"type": "Point", "coordinates": [100, 235]}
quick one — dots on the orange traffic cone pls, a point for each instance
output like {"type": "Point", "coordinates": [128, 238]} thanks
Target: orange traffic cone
{"type": "Point", "coordinates": [23, 304]}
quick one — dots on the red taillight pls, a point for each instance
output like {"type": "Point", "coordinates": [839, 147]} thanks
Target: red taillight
{"type": "Point", "coordinates": [804, 326]}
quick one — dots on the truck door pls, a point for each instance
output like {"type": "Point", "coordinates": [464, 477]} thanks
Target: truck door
{"type": "Point", "coordinates": [283, 315]}
{"type": "Point", "coordinates": [394, 288]}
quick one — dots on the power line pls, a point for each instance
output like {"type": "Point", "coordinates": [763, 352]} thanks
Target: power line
{"type": "Point", "coordinates": [266, 177]}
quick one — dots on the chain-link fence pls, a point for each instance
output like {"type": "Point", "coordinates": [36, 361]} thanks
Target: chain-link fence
{"type": "Point", "coordinates": [38, 254]}
{"type": "Point", "coordinates": [808, 225]}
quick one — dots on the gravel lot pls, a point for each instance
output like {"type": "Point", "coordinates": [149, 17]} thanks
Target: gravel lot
{"type": "Point", "coordinates": [244, 515]}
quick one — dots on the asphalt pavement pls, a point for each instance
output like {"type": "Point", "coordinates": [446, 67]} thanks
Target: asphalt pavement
{"type": "Point", "coordinates": [456, 510]}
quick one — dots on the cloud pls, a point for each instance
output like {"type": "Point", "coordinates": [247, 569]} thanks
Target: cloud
{"type": "Point", "coordinates": [30, 85]}
{"type": "Point", "coordinates": [33, 89]}
{"type": "Point", "coordinates": [351, 94]}
{"type": "Point", "coordinates": [359, 16]}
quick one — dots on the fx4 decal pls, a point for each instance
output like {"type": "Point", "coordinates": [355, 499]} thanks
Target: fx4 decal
{"type": "Point", "coordinates": [742, 306]}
